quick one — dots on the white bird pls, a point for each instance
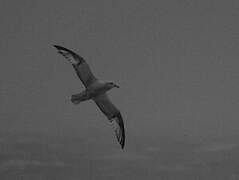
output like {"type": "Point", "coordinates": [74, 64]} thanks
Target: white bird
{"type": "Point", "coordinates": [95, 90]}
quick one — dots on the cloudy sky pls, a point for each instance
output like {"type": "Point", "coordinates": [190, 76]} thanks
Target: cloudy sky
{"type": "Point", "coordinates": [175, 61]}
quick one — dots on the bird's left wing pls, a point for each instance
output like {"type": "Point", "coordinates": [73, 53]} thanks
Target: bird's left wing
{"type": "Point", "coordinates": [114, 116]}
{"type": "Point", "coordinates": [79, 64]}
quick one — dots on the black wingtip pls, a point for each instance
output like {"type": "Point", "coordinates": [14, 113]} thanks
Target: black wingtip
{"type": "Point", "coordinates": [59, 47]}
{"type": "Point", "coordinates": [122, 143]}
{"type": "Point", "coordinates": [122, 146]}
{"type": "Point", "coordinates": [121, 124]}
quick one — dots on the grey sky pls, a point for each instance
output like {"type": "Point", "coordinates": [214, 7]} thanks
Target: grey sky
{"type": "Point", "coordinates": [176, 62]}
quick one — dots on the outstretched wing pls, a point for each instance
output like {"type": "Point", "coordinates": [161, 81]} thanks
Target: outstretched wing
{"type": "Point", "coordinates": [79, 64]}
{"type": "Point", "coordinates": [113, 114]}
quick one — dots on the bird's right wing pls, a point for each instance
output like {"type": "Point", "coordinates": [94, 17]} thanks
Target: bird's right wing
{"type": "Point", "coordinates": [79, 64]}
{"type": "Point", "coordinates": [114, 116]}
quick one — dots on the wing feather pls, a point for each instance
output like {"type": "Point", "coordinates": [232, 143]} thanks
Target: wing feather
{"type": "Point", "coordinates": [114, 116]}
{"type": "Point", "coordinates": [81, 67]}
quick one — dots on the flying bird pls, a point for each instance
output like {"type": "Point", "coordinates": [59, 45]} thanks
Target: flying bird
{"type": "Point", "coordinates": [95, 90]}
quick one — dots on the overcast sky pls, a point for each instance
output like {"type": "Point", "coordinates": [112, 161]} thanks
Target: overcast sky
{"type": "Point", "coordinates": [175, 61]}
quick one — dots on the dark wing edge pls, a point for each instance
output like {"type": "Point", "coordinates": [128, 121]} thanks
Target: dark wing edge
{"type": "Point", "coordinates": [114, 116]}
{"type": "Point", "coordinates": [118, 125]}
{"type": "Point", "coordinates": [67, 52]}
{"type": "Point", "coordinates": [82, 69]}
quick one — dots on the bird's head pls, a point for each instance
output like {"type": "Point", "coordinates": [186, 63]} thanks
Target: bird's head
{"type": "Point", "coordinates": [111, 85]}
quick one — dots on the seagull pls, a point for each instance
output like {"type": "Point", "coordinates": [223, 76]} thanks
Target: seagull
{"type": "Point", "coordinates": [95, 90]}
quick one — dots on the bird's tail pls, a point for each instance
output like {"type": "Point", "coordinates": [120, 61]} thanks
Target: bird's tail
{"type": "Point", "coordinates": [75, 99]}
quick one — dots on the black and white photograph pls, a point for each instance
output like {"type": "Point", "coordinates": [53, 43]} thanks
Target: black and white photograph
{"type": "Point", "coordinates": [119, 90]}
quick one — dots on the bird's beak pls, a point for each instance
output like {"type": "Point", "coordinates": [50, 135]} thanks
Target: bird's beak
{"type": "Point", "coordinates": [116, 86]}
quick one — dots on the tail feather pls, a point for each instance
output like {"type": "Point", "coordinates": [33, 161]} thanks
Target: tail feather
{"type": "Point", "coordinates": [76, 99]}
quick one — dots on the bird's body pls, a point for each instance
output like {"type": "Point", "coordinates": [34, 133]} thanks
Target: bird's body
{"type": "Point", "coordinates": [98, 88]}
{"type": "Point", "coordinates": [96, 91]}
